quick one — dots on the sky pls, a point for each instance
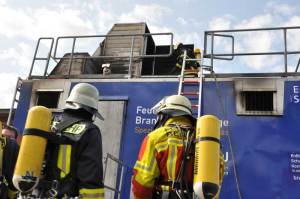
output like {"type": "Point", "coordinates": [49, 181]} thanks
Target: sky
{"type": "Point", "coordinates": [23, 22]}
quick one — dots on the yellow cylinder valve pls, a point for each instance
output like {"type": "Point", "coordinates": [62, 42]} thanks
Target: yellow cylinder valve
{"type": "Point", "coordinates": [32, 150]}
{"type": "Point", "coordinates": [207, 157]}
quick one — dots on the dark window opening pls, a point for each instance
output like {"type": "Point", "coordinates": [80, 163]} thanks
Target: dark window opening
{"type": "Point", "coordinates": [258, 100]}
{"type": "Point", "coordinates": [48, 99]}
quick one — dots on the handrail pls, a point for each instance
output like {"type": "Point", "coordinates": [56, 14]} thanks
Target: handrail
{"type": "Point", "coordinates": [212, 56]}
{"type": "Point", "coordinates": [131, 56]}
{"type": "Point", "coordinates": [116, 35]}
{"type": "Point", "coordinates": [47, 59]}
{"type": "Point", "coordinates": [117, 190]}
{"type": "Point", "coordinates": [14, 101]}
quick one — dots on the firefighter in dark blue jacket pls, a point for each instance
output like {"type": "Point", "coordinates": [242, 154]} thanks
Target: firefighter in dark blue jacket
{"type": "Point", "coordinates": [74, 162]}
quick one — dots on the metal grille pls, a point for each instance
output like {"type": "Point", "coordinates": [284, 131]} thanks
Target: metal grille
{"type": "Point", "coordinates": [258, 100]}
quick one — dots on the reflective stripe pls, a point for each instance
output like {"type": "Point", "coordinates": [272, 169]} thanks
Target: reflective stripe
{"type": "Point", "coordinates": [64, 159]}
{"type": "Point", "coordinates": [144, 167]}
{"type": "Point", "coordinates": [165, 188]}
{"type": "Point", "coordinates": [176, 142]}
{"type": "Point", "coordinates": [170, 163]}
{"type": "Point", "coordinates": [92, 193]}
{"type": "Point", "coordinates": [161, 147]}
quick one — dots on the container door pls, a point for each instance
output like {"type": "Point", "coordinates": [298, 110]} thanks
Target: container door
{"type": "Point", "coordinates": [111, 131]}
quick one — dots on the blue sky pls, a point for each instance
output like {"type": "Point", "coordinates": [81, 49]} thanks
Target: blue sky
{"type": "Point", "coordinates": [23, 22]}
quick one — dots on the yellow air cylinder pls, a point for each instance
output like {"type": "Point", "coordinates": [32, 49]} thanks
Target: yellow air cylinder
{"type": "Point", "coordinates": [32, 150]}
{"type": "Point", "coordinates": [207, 157]}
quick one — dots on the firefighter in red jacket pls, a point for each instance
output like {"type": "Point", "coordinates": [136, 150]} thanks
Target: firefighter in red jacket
{"type": "Point", "coordinates": [74, 162]}
{"type": "Point", "coordinates": [164, 168]}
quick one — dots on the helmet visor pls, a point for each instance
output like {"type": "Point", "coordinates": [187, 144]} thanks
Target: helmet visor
{"type": "Point", "coordinates": [76, 106]}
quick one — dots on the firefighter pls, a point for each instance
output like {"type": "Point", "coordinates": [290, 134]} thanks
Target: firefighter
{"type": "Point", "coordinates": [11, 132]}
{"type": "Point", "coordinates": [8, 157]}
{"type": "Point", "coordinates": [164, 168]}
{"type": "Point", "coordinates": [190, 65]}
{"type": "Point", "coordinates": [73, 163]}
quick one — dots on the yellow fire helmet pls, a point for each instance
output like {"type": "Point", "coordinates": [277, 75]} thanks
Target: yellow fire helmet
{"type": "Point", "coordinates": [197, 51]}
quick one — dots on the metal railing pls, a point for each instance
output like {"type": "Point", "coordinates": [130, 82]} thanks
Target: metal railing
{"type": "Point", "coordinates": [119, 177]}
{"type": "Point", "coordinates": [230, 56]}
{"type": "Point", "coordinates": [131, 56]}
{"type": "Point", "coordinates": [47, 59]}
{"type": "Point", "coordinates": [15, 101]}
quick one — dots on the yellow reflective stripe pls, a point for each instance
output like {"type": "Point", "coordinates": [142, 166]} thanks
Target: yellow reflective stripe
{"type": "Point", "coordinates": [144, 167]}
{"type": "Point", "coordinates": [161, 147]}
{"type": "Point", "coordinates": [176, 142]}
{"type": "Point", "coordinates": [92, 193]}
{"type": "Point", "coordinates": [165, 188]}
{"type": "Point", "coordinates": [171, 162]}
{"type": "Point", "coordinates": [175, 157]}
{"type": "Point", "coordinates": [64, 159]}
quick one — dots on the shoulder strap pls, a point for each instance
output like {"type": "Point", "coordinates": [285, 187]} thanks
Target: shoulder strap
{"type": "Point", "coordinates": [64, 124]}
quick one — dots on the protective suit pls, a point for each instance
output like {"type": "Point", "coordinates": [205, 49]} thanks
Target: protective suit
{"type": "Point", "coordinates": [164, 168]}
{"type": "Point", "coordinates": [189, 65]}
{"type": "Point", "coordinates": [165, 165]}
{"type": "Point", "coordinates": [73, 163]}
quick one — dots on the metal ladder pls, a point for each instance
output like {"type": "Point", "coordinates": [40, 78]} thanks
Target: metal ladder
{"type": "Point", "coordinates": [193, 95]}
{"type": "Point", "coordinates": [15, 100]}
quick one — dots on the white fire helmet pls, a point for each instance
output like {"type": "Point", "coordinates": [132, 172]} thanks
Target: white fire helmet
{"type": "Point", "coordinates": [85, 96]}
{"type": "Point", "coordinates": [174, 105]}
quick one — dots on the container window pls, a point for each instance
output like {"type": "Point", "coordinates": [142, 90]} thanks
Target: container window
{"type": "Point", "coordinates": [48, 99]}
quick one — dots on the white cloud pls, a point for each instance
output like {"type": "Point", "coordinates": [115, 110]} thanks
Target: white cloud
{"type": "Point", "coordinates": [33, 23]}
{"type": "Point", "coordinates": [152, 13]}
{"type": "Point", "coordinates": [189, 38]}
{"type": "Point", "coordinates": [105, 20]}
{"type": "Point", "coordinates": [7, 86]}
{"type": "Point", "coordinates": [15, 22]}
{"type": "Point", "coordinates": [260, 21]}
{"type": "Point", "coordinates": [220, 23]}
{"type": "Point", "coordinates": [181, 21]}
{"type": "Point", "coordinates": [258, 42]}
{"type": "Point", "coordinates": [281, 9]}
{"type": "Point", "coordinates": [62, 22]}
{"type": "Point", "coordinates": [293, 36]}
{"type": "Point", "coordinates": [262, 63]}
{"type": "Point", "coordinates": [17, 59]}
{"type": "Point", "coordinates": [274, 15]}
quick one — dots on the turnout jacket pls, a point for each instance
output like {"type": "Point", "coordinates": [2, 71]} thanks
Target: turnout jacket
{"type": "Point", "coordinates": [76, 163]}
{"type": "Point", "coordinates": [160, 158]}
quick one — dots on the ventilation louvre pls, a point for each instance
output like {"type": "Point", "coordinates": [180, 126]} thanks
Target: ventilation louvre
{"type": "Point", "coordinates": [258, 100]}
